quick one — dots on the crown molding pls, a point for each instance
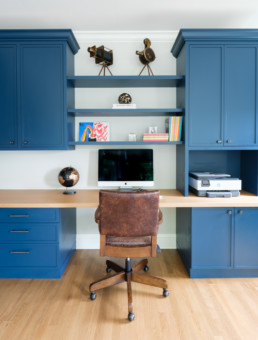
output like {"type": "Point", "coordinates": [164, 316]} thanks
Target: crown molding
{"type": "Point", "coordinates": [40, 35]}
{"type": "Point", "coordinates": [213, 35]}
{"type": "Point", "coordinates": [125, 36]}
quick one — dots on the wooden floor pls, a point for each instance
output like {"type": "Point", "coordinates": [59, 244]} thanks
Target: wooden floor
{"type": "Point", "coordinates": [61, 309]}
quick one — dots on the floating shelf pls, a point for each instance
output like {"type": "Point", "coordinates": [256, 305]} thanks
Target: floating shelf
{"type": "Point", "coordinates": [124, 112]}
{"type": "Point", "coordinates": [124, 143]}
{"type": "Point", "coordinates": [125, 81]}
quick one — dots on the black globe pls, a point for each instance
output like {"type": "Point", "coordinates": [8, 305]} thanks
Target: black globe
{"type": "Point", "coordinates": [68, 177]}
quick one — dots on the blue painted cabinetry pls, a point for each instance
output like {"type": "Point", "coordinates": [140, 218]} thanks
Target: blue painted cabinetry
{"type": "Point", "coordinates": [36, 243]}
{"type": "Point", "coordinates": [42, 96]}
{"type": "Point", "coordinates": [8, 96]}
{"type": "Point", "coordinates": [246, 238]}
{"type": "Point", "coordinates": [240, 113]}
{"type": "Point", "coordinates": [218, 242]}
{"type": "Point", "coordinates": [211, 238]}
{"type": "Point", "coordinates": [220, 98]}
{"type": "Point", "coordinates": [205, 93]}
{"type": "Point", "coordinates": [222, 95]}
{"type": "Point", "coordinates": [33, 97]}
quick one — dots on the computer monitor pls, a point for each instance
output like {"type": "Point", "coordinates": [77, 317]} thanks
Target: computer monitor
{"type": "Point", "coordinates": [125, 168]}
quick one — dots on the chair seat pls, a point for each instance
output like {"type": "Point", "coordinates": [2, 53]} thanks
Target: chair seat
{"type": "Point", "coordinates": [140, 241]}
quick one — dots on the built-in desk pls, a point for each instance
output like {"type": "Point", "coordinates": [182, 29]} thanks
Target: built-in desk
{"type": "Point", "coordinates": [169, 198]}
{"type": "Point", "coordinates": [216, 237]}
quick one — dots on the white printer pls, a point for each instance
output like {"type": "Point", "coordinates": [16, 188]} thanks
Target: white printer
{"type": "Point", "coordinates": [213, 184]}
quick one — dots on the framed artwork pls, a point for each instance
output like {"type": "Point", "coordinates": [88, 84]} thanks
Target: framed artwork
{"type": "Point", "coordinates": [85, 130]}
{"type": "Point", "coordinates": [101, 131]}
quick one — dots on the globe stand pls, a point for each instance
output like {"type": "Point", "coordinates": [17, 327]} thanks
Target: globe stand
{"type": "Point", "coordinates": [69, 192]}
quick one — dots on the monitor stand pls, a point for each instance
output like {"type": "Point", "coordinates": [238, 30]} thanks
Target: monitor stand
{"type": "Point", "coordinates": [126, 189]}
{"type": "Point", "coordinates": [129, 189]}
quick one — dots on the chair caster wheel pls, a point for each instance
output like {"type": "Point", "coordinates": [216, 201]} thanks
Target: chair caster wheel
{"type": "Point", "coordinates": [165, 292]}
{"type": "Point", "coordinates": [146, 268]}
{"type": "Point", "coordinates": [131, 316]}
{"type": "Point", "coordinates": [93, 296]}
{"type": "Point", "coordinates": [108, 269]}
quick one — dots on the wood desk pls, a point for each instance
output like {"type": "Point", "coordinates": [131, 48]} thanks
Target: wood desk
{"type": "Point", "coordinates": [170, 198]}
{"type": "Point", "coordinates": [216, 241]}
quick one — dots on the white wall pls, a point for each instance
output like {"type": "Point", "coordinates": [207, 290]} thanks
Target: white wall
{"type": "Point", "coordinates": [39, 169]}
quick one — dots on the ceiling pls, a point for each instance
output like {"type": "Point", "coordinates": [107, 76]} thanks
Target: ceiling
{"type": "Point", "coordinates": [134, 15]}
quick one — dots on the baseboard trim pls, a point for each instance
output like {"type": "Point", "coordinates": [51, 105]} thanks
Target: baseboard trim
{"type": "Point", "coordinates": [91, 241]}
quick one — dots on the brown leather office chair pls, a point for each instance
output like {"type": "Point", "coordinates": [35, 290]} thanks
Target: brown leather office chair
{"type": "Point", "coordinates": [128, 225]}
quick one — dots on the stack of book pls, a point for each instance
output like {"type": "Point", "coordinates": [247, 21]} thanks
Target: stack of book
{"type": "Point", "coordinates": [124, 106]}
{"type": "Point", "coordinates": [155, 137]}
{"type": "Point", "coordinates": [175, 124]}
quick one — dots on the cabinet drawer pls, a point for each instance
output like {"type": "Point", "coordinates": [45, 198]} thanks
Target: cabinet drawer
{"type": "Point", "coordinates": [30, 215]}
{"type": "Point", "coordinates": [17, 232]}
{"type": "Point", "coordinates": [28, 255]}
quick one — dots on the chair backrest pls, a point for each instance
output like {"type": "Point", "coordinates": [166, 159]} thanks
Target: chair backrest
{"type": "Point", "coordinates": [129, 213]}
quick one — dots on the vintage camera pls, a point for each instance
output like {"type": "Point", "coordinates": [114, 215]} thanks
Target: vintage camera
{"type": "Point", "coordinates": [102, 55]}
{"type": "Point", "coordinates": [146, 56]}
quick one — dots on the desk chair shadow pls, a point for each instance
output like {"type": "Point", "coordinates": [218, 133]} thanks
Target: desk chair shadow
{"type": "Point", "coordinates": [128, 226]}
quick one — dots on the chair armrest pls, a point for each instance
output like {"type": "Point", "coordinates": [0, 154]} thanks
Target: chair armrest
{"type": "Point", "coordinates": [160, 217]}
{"type": "Point", "coordinates": [97, 215]}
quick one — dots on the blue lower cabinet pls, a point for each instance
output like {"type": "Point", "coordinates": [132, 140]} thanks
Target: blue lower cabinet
{"type": "Point", "coordinates": [36, 243]}
{"type": "Point", "coordinates": [246, 238]}
{"type": "Point", "coordinates": [218, 242]}
{"type": "Point", "coordinates": [211, 238]}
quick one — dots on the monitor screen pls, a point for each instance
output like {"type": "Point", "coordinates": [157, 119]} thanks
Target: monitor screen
{"type": "Point", "coordinates": [125, 167]}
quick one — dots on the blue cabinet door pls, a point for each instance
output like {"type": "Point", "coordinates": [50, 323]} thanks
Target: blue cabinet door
{"type": "Point", "coordinates": [246, 238]}
{"type": "Point", "coordinates": [205, 96]}
{"type": "Point", "coordinates": [8, 97]}
{"type": "Point", "coordinates": [240, 96]}
{"type": "Point", "coordinates": [211, 237]}
{"type": "Point", "coordinates": [42, 96]}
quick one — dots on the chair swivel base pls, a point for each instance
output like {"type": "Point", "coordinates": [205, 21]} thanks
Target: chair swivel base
{"type": "Point", "coordinates": [129, 275]}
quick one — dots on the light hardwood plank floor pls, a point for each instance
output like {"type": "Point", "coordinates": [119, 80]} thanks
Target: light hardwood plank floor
{"type": "Point", "coordinates": [195, 309]}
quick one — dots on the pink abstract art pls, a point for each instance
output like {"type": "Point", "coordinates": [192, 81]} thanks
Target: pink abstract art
{"type": "Point", "coordinates": [101, 130]}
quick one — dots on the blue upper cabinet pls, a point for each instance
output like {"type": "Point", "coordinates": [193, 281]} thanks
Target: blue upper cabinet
{"type": "Point", "coordinates": [34, 65]}
{"type": "Point", "coordinates": [8, 97]}
{"type": "Point", "coordinates": [205, 96]}
{"type": "Point", "coordinates": [240, 95]}
{"type": "Point", "coordinates": [221, 73]}
{"type": "Point", "coordinates": [42, 96]}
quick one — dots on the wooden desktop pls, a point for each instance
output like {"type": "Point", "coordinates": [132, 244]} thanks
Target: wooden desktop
{"type": "Point", "coordinates": [169, 198]}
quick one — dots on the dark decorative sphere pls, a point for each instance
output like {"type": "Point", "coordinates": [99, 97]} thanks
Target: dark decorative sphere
{"type": "Point", "coordinates": [68, 177]}
{"type": "Point", "coordinates": [125, 98]}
